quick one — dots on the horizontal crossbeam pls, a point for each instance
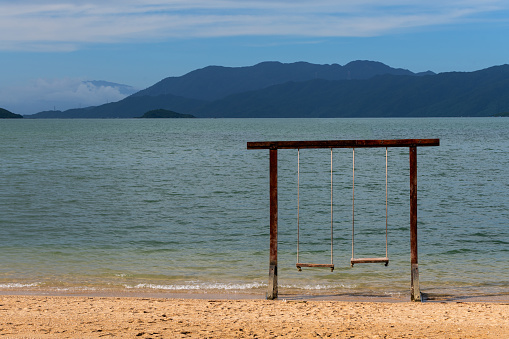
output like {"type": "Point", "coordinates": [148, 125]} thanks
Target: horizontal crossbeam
{"type": "Point", "coordinates": [342, 143]}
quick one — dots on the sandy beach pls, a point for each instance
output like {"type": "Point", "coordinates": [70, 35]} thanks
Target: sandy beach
{"type": "Point", "coordinates": [30, 316]}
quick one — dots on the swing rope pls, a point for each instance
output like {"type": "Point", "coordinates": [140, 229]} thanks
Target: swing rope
{"type": "Point", "coordinates": [331, 214]}
{"type": "Point", "coordinates": [386, 206]}
{"type": "Point", "coordinates": [384, 260]}
{"type": "Point", "coordinates": [353, 200]}
{"type": "Point", "coordinates": [300, 265]}
{"type": "Point", "coordinates": [298, 202]}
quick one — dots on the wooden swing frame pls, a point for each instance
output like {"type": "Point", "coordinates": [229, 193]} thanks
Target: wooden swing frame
{"type": "Point", "coordinates": [273, 146]}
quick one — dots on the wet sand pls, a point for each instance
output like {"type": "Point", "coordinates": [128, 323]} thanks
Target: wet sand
{"type": "Point", "coordinates": [31, 316]}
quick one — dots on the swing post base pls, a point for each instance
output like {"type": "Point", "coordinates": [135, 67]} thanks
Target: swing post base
{"type": "Point", "coordinates": [300, 265]}
{"type": "Point", "coordinates": [383, 260]}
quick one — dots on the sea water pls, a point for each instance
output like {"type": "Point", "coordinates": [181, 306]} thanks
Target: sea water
{"type": "Point", "coordinates": [182, 205]}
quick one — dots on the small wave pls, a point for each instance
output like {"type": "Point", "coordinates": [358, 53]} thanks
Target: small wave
{"type": "Point", "coordinates": [200, 286]}
{"type": "Point", "coordinates": [122, 275]}
{"type": "Point", "coordinates": [460, 251]}
{"type": "Point", "coordinates": [74, 289]}
{"type": "Point", "coordinates": [18, 285]}
{"type": "Point", "coordinates": [239, 286]}
{"type": "Point", "coordinates": [319, 286]}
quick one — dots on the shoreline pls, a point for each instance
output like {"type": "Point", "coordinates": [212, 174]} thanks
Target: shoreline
{"type": "Point", "coordinates": [95, 317]}
{"type": "Point", "coordinates": [254, 295]}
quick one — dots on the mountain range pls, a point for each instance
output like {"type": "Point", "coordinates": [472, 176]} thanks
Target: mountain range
{"type": "Point", "coordinates": [301, 89]}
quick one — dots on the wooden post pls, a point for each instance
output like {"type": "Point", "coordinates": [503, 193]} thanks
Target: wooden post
{"type": "Point", "coordinates": [272, 288]}
{"type": "Point", "coordinates": [415, 292]}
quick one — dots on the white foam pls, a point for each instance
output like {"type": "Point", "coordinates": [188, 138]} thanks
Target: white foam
{"type": "Point", "coordinates": [74, 289]}
{"type": "Point", "coordinates": [232, 286]}
{"type": "Point", "coordinates": [18, 285]}
{"type": "Point", "coordinates": [319, 286]}
{"type": "Point", "coordinates": [200, 286]}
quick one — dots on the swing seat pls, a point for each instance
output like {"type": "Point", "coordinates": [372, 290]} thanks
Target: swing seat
{"type": "Point", "coordinates": [300, 265]}
{"type": "Point", "coordinates": [384, 260]}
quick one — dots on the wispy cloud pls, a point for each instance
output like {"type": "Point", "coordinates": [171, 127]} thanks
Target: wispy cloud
{"type": "Point", "coordinates": [68, 25]}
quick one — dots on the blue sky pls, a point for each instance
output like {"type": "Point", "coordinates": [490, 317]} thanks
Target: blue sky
{"type": "Point", "coordinates": [48, 47]}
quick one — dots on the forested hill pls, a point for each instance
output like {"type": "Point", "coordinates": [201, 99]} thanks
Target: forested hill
{"type": "Point", "coordinates": [273, 89]}
{"type": "Point", "coordinates": [216, 82]}
{"type": "Point", "coordinates": [480, 93]}
{"type": "Point", "coordinates": [5, 114]}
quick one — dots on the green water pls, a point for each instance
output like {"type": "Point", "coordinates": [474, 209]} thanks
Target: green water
{"type": "Point", "coordinates": [182, 205]}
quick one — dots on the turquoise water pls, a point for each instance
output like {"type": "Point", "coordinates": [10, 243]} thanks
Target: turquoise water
{"type": "Point", "coordinates": [182, 205]}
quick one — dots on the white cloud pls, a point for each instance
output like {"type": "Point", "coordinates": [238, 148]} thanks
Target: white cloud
{"type": "Point", "coordinates": [67, 25]}
{"type": "Point", "coordinates": [44, 94]}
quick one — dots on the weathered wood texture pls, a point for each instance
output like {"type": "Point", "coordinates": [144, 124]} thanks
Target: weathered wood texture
{"type": "Point", "coordinates": [383, 260]}
{"type": "Point", "coordinates": [300, 265]}
{"type": "Point", "coordinates": [314, 265]}
{"type": "Point", "coordinates": [342, 143]}
{"type": "Point", "coordinates": [273, 290]}
{"type": "Point", "coordinates": [273, 146]}
{"type": "Point", "coordinates": [415, 291]}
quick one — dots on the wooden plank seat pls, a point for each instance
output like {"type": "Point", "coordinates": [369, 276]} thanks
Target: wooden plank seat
{"type": "Point", "coordinates": [300, 265]}
{"type": "Point", "coordinates": [384, 260]}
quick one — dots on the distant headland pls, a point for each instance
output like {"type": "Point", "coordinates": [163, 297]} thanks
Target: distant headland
{"type": "Point", "coordinates": [165, 114]}
{"type": "Point", "coordinates": [5, 114]}
{"type": "Point", "coordinates": [503, 114]}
